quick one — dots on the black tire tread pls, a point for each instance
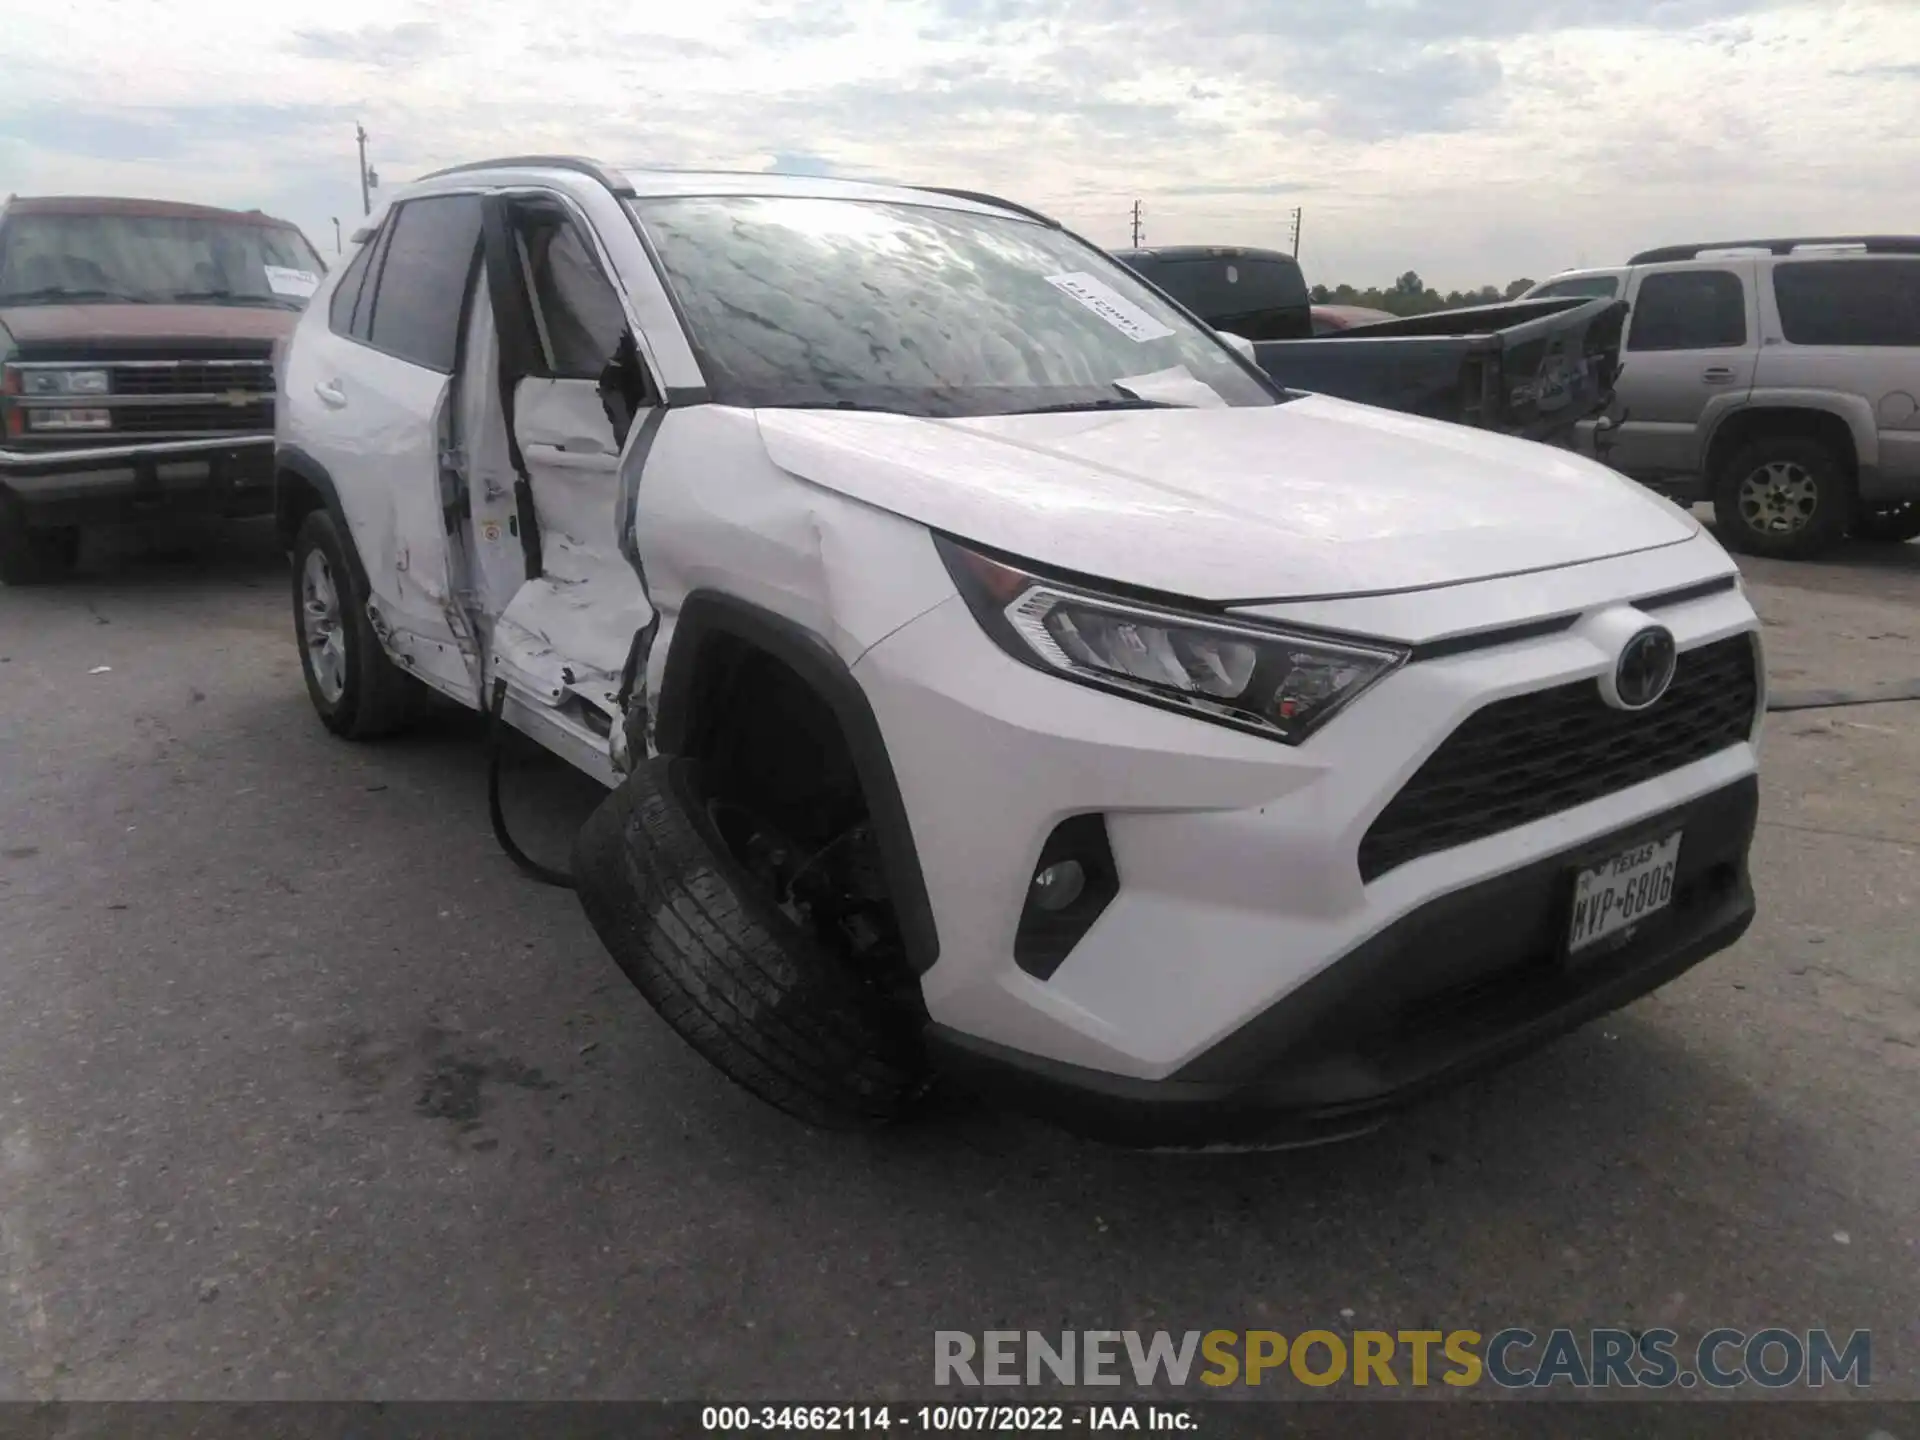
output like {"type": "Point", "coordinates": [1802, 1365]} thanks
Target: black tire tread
{"type": "Point", "coordinates": [751, 992]}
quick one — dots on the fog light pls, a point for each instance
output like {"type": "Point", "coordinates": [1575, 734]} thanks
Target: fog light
{"type": "Point", "coordinates": [1074, 880]}
{"type": "Point", "coordinates": [1057, 886]}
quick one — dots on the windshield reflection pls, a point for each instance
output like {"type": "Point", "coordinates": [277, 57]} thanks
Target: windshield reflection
{"type": "Point", "coordinates": [850, 304]}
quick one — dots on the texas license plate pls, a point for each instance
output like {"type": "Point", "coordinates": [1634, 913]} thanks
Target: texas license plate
{"type": "Point", "coordinates": [1622, 891]}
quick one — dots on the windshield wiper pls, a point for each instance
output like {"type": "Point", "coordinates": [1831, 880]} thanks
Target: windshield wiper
{"type": "Point", "coordinates": [68, 292]}
{"type": "Point", "coordinates": [228, 297]}
{"type": "Point", "coordinates": [1105, 402]}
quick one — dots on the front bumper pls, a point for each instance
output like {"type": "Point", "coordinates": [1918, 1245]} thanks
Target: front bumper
{"type": "Point", "coordinates": [1239, 878]}
{"type": "Point", "coordinates": [226, 474]}
{"type": "Point", "coordinates": [1464, 983]}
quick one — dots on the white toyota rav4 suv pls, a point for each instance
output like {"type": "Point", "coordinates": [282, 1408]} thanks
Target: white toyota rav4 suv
{"type": "Point", "coordinates": [993, 673]}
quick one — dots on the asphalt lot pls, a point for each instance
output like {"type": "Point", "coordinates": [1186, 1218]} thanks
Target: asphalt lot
{"type": "Point", "coordinates": [306, 1092]}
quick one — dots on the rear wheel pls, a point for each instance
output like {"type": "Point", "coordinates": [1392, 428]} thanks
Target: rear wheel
{"type": "Point", "coordinates": [1889, 523]}
{"type": "Point", "coordinates": [1785, 496]}
{"type": "Point", "coordinates": [356, 690]}
{"type": "Point", "coordinates": [32, 555]}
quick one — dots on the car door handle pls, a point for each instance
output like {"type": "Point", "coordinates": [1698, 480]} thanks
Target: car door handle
{"type": "Point", "coordinates": [330, 393]}
{"type": "Point", "coordinates": [1717, 375]}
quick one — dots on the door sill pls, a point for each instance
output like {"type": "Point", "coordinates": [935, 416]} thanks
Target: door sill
{"type": "Point", "coordinates": [564, 736]}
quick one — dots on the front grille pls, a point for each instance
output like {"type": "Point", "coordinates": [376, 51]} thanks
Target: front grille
{"type": "Point", "coordinates": [194, 377]}
{"type": "Point", "coordinates": [1530, 756]}
{"type": "Point", "coordinates": [208, 419]}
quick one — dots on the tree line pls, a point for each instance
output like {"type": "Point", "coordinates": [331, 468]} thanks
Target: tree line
{"type": "Point", "coordinates": [1410, 295]}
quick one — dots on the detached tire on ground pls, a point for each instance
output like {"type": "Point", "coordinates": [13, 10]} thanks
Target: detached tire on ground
{"type": "Point", "coordinates": [358, 693]}
{"type": "Point", "coordinates": [776, 1011]}
{"type": "Point", "coordinates": [1889, 524]}
{"type": "Point", "coordinates": [1788, 497]}
{"type": "Point", "coordinates": [30, 556]}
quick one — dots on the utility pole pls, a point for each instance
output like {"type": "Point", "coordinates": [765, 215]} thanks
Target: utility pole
{"type": "Point", "coordinates": [369, 180]}
{"type": "Point", "coordinates": [1136, 224]}
{"type": "Point", "coordinates": [1296, 231]}
{"type": "Point", "coordinates": [336, 235]}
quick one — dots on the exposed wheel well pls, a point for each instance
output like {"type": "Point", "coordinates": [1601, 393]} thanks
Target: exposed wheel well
{"type": "Point", "coordinates": [771, 747]}
{"type": "Point", "coordinates": [759, 728]}
{"type": "Point", "coordinates": [772, 711]}
{"type": "Point", "coordinates": [1746, 426]}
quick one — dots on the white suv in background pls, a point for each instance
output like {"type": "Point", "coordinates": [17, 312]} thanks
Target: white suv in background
{"type": "Point", "coordinates": [1779, 379]}
{"type": "Point", "coordinates": [992, 672]}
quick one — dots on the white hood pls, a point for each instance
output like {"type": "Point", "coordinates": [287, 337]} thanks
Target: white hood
{"type": "Point", "coordinates": [1315, 497]}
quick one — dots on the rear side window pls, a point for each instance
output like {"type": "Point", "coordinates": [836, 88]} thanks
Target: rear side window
{"type": "Point", "coordinates": [1848, 302]}
{"type": "Point", "coordinates": [1602, 287]}
{"type": "Point", "coordinates": [1259, 298]}
{"type": "Point", "coordinates": [422, 285]}
{"type": "Point", "coordinates": [1689, 310]}
{"type": "Point", "coordinates": [347, 293]}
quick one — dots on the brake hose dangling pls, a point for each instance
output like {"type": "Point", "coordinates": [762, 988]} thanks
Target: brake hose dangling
{"type": "Point", "coordinates": [559, 879]}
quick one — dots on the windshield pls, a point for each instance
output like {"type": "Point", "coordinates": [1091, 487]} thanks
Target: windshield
{"type": "Point", "coordinates": [796, 301]}
{"type": "Point", "coordinates": [56, 259]}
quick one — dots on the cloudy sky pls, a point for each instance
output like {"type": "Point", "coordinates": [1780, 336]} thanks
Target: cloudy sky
{"type": "Point", "coordinates": [1472, 140]}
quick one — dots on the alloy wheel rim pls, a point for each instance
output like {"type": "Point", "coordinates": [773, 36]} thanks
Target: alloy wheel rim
{"type": "Point", "coordinates": [320, 623]}
{"type": "Point", "coordinates": [1779, 498]}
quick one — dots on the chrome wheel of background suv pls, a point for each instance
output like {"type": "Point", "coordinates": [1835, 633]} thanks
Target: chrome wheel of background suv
{"type": "Point", "coordinates": [1779, 498]}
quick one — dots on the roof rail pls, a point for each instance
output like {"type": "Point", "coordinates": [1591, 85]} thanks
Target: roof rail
{"type": "Point", "coordinates": [980, 197]}
{"type": "Point", "coordinates": [579, 164]}
{"type": "Point", "coordinates": [1872, 244]}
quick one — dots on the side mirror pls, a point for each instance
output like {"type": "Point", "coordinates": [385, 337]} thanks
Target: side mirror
{"type": "Point", "coordinates": [1240, 343]}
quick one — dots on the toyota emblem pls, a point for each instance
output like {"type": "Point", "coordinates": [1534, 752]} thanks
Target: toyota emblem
{"type": "Point", "coordinates": [1645, 668]}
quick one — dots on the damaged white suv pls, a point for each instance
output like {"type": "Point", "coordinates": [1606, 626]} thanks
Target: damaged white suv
{"type": "Point", "coordinates": [993, 673]}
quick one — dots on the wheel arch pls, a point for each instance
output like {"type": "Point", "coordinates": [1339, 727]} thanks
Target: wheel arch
{"type": "Point", "coordinates": [302, 485]}
{"type": "Point", "coordinates": [1828, 419]}
{"type": "Point", "coordinates": [710, 631]}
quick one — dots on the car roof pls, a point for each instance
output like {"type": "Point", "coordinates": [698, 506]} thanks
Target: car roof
{"type": "Point", "coordinates": [131, 205]}
{"type": "Point", "coordinates": [659, 182]}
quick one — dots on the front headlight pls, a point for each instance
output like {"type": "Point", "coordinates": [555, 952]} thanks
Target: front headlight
{"type": "Point", "coordinates": [63, 382]}
{"type": "Point", "coordinates": [1279, 683]}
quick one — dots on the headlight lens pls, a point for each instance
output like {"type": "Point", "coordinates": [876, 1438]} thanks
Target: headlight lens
{"type": "Point", "coordinates": [63, 382]}
{"type": "Point", "coordinates": [1276, 683]}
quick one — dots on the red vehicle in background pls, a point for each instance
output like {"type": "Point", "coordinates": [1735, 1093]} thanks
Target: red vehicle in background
{"type": "Point", "coordinates": [136, 365]}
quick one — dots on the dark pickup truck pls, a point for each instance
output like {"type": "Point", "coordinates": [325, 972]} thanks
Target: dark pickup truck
{"type": "Point", "coordinates": [136, 365]}
{"type": "Point", "coordinates": [1532, 368]}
